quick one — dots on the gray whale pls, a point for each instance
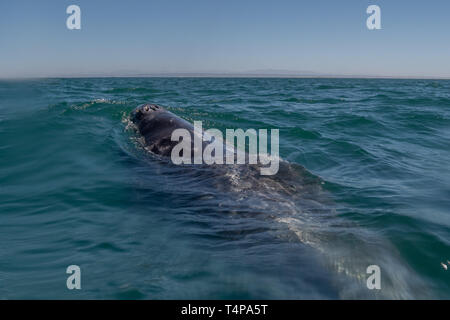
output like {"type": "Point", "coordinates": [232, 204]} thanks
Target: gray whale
{"type": "Point", "coordinates": [295, 200]}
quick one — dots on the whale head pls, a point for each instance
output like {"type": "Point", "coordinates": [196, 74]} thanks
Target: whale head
{"type": "Point", "coordinates": [145, 111]}
{"type": "Point", "coordinates": [156, 125]}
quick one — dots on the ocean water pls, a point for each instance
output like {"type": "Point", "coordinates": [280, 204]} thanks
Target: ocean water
{"type": "Point", "coordinates": [365, 180]}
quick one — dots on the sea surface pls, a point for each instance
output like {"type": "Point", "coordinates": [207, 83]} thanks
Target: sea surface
{"type": "Point", "coordinates": [365, 180]}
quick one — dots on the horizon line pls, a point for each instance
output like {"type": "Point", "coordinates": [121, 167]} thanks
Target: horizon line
{"type": "Point", "coordinates": [227, 75]}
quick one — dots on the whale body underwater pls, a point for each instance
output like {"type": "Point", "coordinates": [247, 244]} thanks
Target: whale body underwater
{"type": "Point", "coordinates": [294, 199]}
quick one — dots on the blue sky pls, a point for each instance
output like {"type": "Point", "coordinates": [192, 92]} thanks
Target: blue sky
{"type": "Point", "coordinates": [138, 37]}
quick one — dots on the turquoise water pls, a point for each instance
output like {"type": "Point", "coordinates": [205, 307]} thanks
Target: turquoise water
{"type": "Point", "coordinates": [77, 188]}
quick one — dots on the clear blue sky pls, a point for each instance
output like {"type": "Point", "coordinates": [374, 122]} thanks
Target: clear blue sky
{"type": "Point", "coordinates": [122, 37]}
